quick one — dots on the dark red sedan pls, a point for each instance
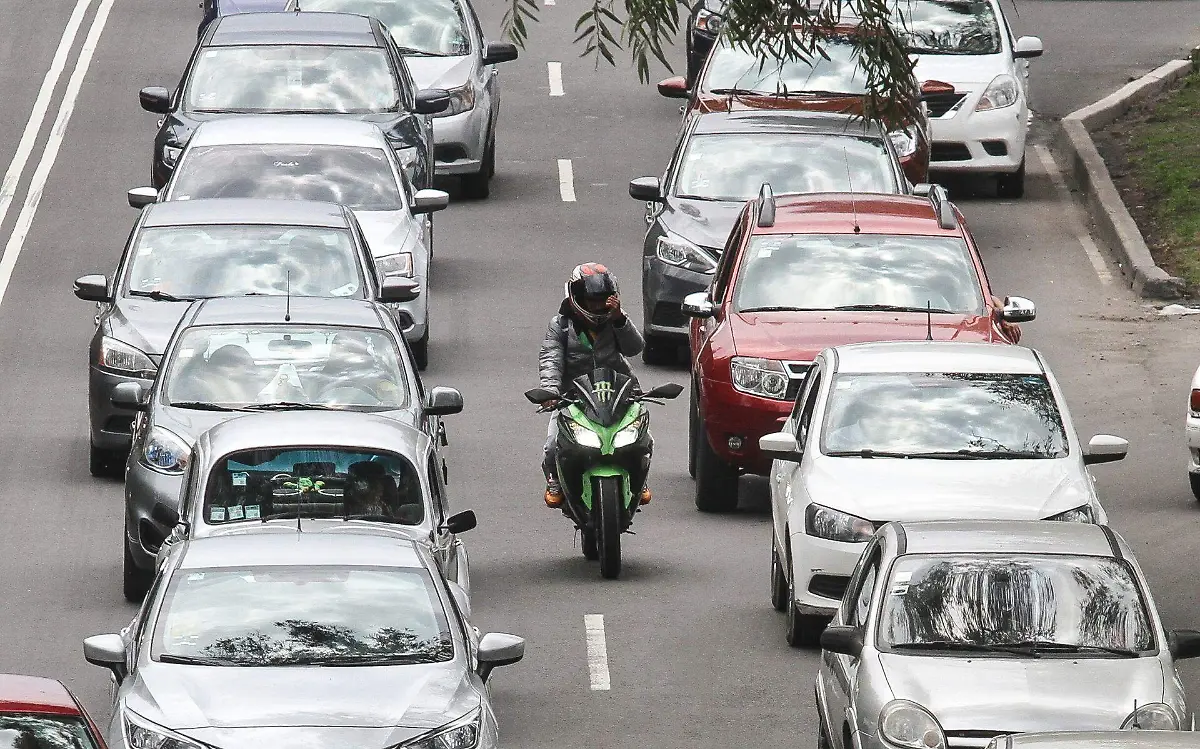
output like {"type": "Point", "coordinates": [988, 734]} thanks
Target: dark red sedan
{"type": "Point", "coordinates": [37, 713]}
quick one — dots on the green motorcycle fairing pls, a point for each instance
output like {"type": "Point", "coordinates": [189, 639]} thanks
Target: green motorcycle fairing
{"type": "Point", "coordinates": [607, 436]}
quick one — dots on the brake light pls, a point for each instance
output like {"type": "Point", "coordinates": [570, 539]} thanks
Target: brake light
{"type": "Point", "coordinates": [1194, 402]}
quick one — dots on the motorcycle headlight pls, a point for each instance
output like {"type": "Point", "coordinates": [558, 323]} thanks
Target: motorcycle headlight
{"type": "Point", "coordinates": [905, 141]}
{"type": "Point", "coordinates": [708, 21]}
{"type": "Point", "coordinates": [119, 356]}
{"type": "Point", "coordinates": [584, 436]}
{"type": "Point", "coordinates": [1153, 716]}
{"type": "Point", "coordinates": [165, 451]}
{"type": "Point", "coordinates": [142, 734]}
{"type": "Point", "coordinates": [835, 525]}
{"type": "Point", "coordinates": [907, 724]}
{"type": "Point", "coordinates": [170, 154]}
{"type": "Point", "coordinates": [462, 99]}
{"type": "Point", "coordinates": [630, 434]}
{"type": "Point", "coordinates": [400, 264]}
{"type": "Point", "coordinates": [762, 377]}
{"type": "Point", "coordinates": [1081, 514]}
{"type": "Point", "coordinates": [1001, 92]}
{"type": "Point", "coordinates": [461, 734]}
{"type": "Point", "coordinates": [674, 249]}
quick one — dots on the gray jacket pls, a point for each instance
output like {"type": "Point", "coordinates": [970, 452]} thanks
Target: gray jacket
{"type": "Point", "coordinates": [564, 356]}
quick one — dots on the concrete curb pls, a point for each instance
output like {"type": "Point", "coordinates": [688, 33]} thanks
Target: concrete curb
{"type": "Point", "coordinates": [1088, 174]}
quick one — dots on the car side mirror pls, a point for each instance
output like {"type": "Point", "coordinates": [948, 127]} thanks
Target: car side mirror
{"type": "Point", "coordinates": [443, 401]}
{"type": "Point", "coordinates": [934, 88]}
{"type": "Point", "coordinates": [498, 649]}
{"type": "Point", "coordinates": [140, 197]}
{"type": "Point", "coordinates": [666, 391]}
{"type": "Point", "coordinates": [780, 446]}
{"type": "Point", "coordinates": [1027, 46]}
{"type": "Point", "coordinates": [107, 651]}
{"type": "Point", "coordinates": [1184, 643]}
{"type": "Point", "coordinates": [698, 305]}
{"type": "Point", "coordinates": [1018, 309]}
{"type": "Point", "coordinates": [164, 515]}
{"type": "Point", "coordinates": [648, 189]}
{"type": "Point", "coordinates": [1105, 448]}
{"type": "Point", "coordinates": [156, 99]}
{"type": "Point", "coordinates": [431, 101]}
{"type": "Point", "coordinates": [461, 598]}
{"type": "Point", "coordinates": [92, 288]}
{"type": "Point", "coordinates": [842, 640]}
{"type": "Point", "coordinates": [674, 87]}
{"type": "Point", "coordinates": [129, 395]}
{"type": "Point", "coordinates": [430, 201]}
{"type": "Point", "coordinates": [398, 289]}
{"type": "Point", "coordinates": [497, 52]}
{"type": "Point", "coordinates": [461, 522]}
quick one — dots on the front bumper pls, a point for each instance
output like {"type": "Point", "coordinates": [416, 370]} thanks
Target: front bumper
{"type": "Point", "coordinates": [820, 571]}
{"type": "Point", "coordinates": [663, 288]}
{"type": "Point", "coordinates": [730, 413]}
{"type": "Point", "coordinates": [145, 487]}
{"type": "Point", "coordinates": [968, 141]}
{"type": "Point", "coordinates": [413, 317]}
{"type": "Point", "coordinates": [1192, 435]}
{"type": "Point", "coordinates": [460, 141]}
{"type": "Point", "coordinates": [111, 427]}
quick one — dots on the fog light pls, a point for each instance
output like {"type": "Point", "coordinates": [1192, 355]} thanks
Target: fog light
{"type": "Point", "coordinates": [735, 443]}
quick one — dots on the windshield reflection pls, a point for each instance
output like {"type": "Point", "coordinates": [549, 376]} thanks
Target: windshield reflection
{"type": "Point", "coordinates": [948, 27]}
{"type": "Point", "coordinates": [434, 28]}
{"type": "Point", "coordinates": [37, 731]}
{"type": "Point", "coordinates": [733, 67]}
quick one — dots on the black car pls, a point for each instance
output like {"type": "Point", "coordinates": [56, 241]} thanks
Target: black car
{"type": "Point", "coordinates": [298, 63]}
{"type": "Point", "coordinates": [214, 9]}
{"type": "Point", "coordinates": [704, 23]}
{"type": "Point", "coordinates": [721, 161]}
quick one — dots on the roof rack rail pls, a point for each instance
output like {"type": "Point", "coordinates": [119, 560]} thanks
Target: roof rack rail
{"type": "Point", "coordinates": [766, 212]}
{"type": "Point", "coordinates": [942, 207]}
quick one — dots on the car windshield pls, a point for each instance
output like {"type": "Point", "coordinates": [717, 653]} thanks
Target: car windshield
{"type": "Point", "coordinates": [192, 262]}
{"type": "Point", "coordinates": [322, 482]}
{"type": "Point", "coordinates": [828, 272]}
{"type": "Point", "coordinates": [734, 68]}
{"type": "Point", "coordinates": [434, 28]}
{"type": "Point", "coordinates": [943, 414]}
{"type": "Point", "coordinates": [1045, 603]}
{"type": "Point", "coordinates": [361, 178]}
{"type": "Point", "coordinates": [38, 731]}
{"type": "Point", "coordinates": [292, 365]}
{"type": "Point", "coordinates": [292, 79]}
{"type": "Point", "coordinates": [733, 167]}
{"type": "Point", "coordinates": [297, 616]}
{"type": "Point", "coordinates": [948, 27]}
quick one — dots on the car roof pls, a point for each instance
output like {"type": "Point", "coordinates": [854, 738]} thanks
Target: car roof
{"type": "Point", "coordinates": [332, 29]}
{"type": "Point", "coordinates": [302, 549]}
{"type": "Point", "coordinates": [1110, 739]}
{"type": "Point", "coordinates": [270, 310]}
{"type": "Point", "coordinates": [1006, 537]}
{"type": "Point", "coordinates": [789, 121]}
{"type": "Point", "coordinates": [246, 211]}
{"type": "Point", "coordinates": [841, 212]}
{"type": "Point", "coordinates": [35, 694]}
{"type": "Point", "coordinates": [305, 129]}
{"type": "Point", "coordinates": [937, 356]}
{"type": "Point", "coordinates": [350, 429]}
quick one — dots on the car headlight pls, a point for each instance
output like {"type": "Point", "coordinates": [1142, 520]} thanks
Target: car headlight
{"type": "Point", "coordinates": [142, 734]}
{"type": "Point", "coordinates": [400, 264]}
{"type": "Point", "coordinates": [905, 141]}
{"type": "Point", "coordinates": [584, 436]}
{"type": "Point", "coordinates": [1153, 716]}
{"type": "Point", "coordinates": [762, 377]}
{"type": "Point", "coordinates": [170, 154]}
{"type": "Point", "coordinates": [165, 451]}
{"type": "Point", "coordinates": [708, 21]}
{"type": "Point", "coordinates": [119, 356]}
{"type": "Point", "coordinates": [630, 434]}
{"type": "Point", "coordinates": [677, 251]}
{"type": "Point", "coordinates": [907, 724]}
{"type": "Point", "coordinates": [462, 99]}
{"type": "Point", "coordinates": [1081, 514]}
{"type": "Point", "coordinates": [835, 525]}
{"type": "Point", "coordinates": [1001, 92]}
{"type": "Point", "coordinates": [461, 734]}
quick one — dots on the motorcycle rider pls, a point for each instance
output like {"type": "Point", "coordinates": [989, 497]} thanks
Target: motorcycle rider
{"type": "Point", "coordinates": [589, 331]}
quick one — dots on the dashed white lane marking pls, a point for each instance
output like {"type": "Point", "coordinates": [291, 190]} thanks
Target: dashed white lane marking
{"type": "Point", "coordinates": [554, 69]}
{"type": "Point", "coordinates": [597, 651]}
{"type": "Point", "coordinates": [57, 132]}
{"type": "Point", "coordinates": [566, 181]}
{"type": "Point", "coordinates": [1078, 227]}
{"type": "Point", "coordinates": [16, 168]}
{"type": "Point", "coordinates": [549, 2]}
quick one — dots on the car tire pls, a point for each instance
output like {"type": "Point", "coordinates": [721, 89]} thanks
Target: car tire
{"type": "Point", "coordinates": [716, 480]}
{"type": "Point", "coordinates": [135, 580]}
{"type": "Point", "coordinates": [694, 431]}
{"type": "Point", "coordinates": [802, 630]}
{"type": "Point", "coordinates": [659, 350]}
{"type": "Point", "coordinates": [1194, 480]}
{"type": "Point", "coordinates": [1011, 185]}
{"type": "Point", "coordinates": [478, 186]}
{"type": "Point", "coordinates": [779, 582]}
{"type": "Point", "coordinates": [105, 463]}
{"type": "Point", "coordinates": [420, 351]}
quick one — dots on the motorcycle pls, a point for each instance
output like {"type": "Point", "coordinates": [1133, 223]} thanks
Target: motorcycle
{"type": "Point", "coordinates": [603, 456]}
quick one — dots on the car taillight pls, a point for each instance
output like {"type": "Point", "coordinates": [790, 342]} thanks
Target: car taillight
{"type": "Point", "coordinates": [1194, 402]}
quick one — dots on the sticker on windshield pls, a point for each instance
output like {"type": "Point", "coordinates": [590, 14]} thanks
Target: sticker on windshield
{"type": "Point", "coordinates": [236, 512]}
{"type": "Point", "coordinates": [900, 584]}
{"type": "Point", "coordinates": [346, 290]}
{"type": "Point", "coordinates": [195, 576]}
{"type": "Point", "coordinates": [253, 512]}
{"type": "Point", "coordinates": [239, 479]}
{"type": "Point", "coordinates": [217, 514]}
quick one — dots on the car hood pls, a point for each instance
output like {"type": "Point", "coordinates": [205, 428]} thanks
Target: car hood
{"type": "Point", "coordinates": [1015, 694]}
{"type": "Point", "coordinates": [961, 70]}
{"type": "Point", "coordinates": [704, 222]}
{"type": "Point", "coordinates": [439, 72]}
{"type": "Point", "coordinates": [236, 699]}
{"type": "Point", "coordinates": [802, 335]}
{"type": "Point", "coordinates": [145, 323]}
{"type": "Point", "coordinates": [883, 489]}
{"type": "Point", "coordinates": [190, 423]}
{"type": "Point", "coordinates": [842, 104]}
{"type": "Point", "coordinates": [389, 232]}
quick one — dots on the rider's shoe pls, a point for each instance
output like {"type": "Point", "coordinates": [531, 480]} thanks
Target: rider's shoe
{"type": "Point", "coordinates": [554, 495]}
{"type": "Point", "coordinates": [644, 497]}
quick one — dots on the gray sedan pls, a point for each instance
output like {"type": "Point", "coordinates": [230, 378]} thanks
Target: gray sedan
{"type": "Point", "coordinates": [302, 639]}
{"type": "Point", "coordinates": [954, 632]}
{"type": "Point", "coordinates": [196, 249]}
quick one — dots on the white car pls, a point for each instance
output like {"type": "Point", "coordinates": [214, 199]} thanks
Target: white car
{"type": "Point", "coordinates": [975, 84]}
{"type": "Point", "coordinates": [1192, 432]}
{"type": "Point", "coordinates": [918, 430]}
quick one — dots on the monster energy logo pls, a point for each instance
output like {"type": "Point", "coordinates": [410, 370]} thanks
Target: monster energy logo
{"type": "Point", "coordinates": [603, 391]}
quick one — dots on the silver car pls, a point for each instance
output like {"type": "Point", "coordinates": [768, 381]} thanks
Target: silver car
{"type": "Point", "coordinates": [445, 47]}
{"type": "Point", "coordinates": [954, 632]}
{"type": "Point", "coordinates": [334, 471]}
{"type": "Point", "coordinates": [315, 157]}
{"type": "Point", "coordinates": [302, 639]}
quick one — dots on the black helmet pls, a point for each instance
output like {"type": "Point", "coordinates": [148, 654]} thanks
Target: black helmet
{"type": "Point", "coordinates": [588, 290]}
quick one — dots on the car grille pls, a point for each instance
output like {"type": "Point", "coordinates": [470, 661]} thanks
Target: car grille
{"type": "Point", "coordinates": [668, 315]}
{"type": "Point", "coordinates": [972, 739]}
{"type": "Point", "coordinates": [797, 371]}
{"type": "Point", "coordinates": [940, 104]}
{"type": "Point", "coordinates": [829, 586]}
{"type": "Point", "coordinates": [950, 152]}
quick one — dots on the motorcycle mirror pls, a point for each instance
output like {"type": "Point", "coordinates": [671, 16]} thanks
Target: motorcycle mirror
{"type": "Point", "coordinates": [538, 396]}
{"type": "Point", "coordinates": [667, 390]}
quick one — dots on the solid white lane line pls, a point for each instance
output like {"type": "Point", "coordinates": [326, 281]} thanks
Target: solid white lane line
{"type": "Point", "coordinates": [40, 175]}
{"type": "Point", "coordinates": [566, 181]}
{"type": "Point", "coordinates": [554, 69]}
{"type": "Point", "coordinates": [16, 168]}
{"type": "Point", "coordinates": [597, 651]}
{"type": "Point", "coordinates": [1078, 227]}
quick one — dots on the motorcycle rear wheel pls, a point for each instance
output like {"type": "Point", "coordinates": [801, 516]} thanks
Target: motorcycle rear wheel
{"type": "Point", "coordinates": [606, 513]}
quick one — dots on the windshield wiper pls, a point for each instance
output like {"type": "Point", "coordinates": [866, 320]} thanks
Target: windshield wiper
{"type": "Point", "coordinates": [194, 660]}
{"type": "Point", "coordinates": [290, 406]}
{"type": "Point", "coordinates": [889, 308]}
{"type": "Point", "coordinates": [1066, 647]}
{"type": "Point", "coordinates": [973, 647]}
{"type": "Point", "coordinates": [738, 92]}
{"type": "Point", "coordinates": [1005, 454]}
{"type": "Point", "coordinates": [202, 406]}
{"type": "Point", "coordinates": [780, 308]}
{"type": "Point", "coordinates": [382, 660]}
{"type": "Point", "coordinates": [818, 92]}
{"type": "Point", "coordinates": [162, 296]}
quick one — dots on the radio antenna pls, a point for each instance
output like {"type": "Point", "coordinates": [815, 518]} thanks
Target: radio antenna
{"type": "Point", "coordinates": [850, 182]}
{"type": "Point", "coordinates": [928, 320]}
{"type": "Point", "coordinates": [287, 314]}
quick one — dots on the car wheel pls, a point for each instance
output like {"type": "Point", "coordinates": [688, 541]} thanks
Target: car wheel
{"type": "Point", "coordinates": [1194, 480]}
{"type": "Point", "coordinates": [479, 186]}
{"type": "Point", "coordinates": [420, 351]}
{"type": "Point", "coordinates": [779, 582]}
{"type": "Point", "coordinates": [136, 581]}
{"type": "Point", "coordinates": [1011, 185]}
{"type": "Point", "coordinates": [694, 432]}
{"type": "Point", "coordinates": [105, 463]}
{"type": "Point", "coordinates": [802, 630]}
{"type": "Point", "coordinates": [659, 350]}
{"type": "Point", "coordinates": [716, 480]}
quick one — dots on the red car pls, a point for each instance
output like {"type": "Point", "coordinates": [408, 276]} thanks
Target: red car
{"type": "Point", "coordinates": [801, 273]}
{"type": "Point", "coordinates": [43, 714]}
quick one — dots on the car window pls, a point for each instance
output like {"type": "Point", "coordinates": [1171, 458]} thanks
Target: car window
{"type": "Point", "coordinates": [728, 259]}
{"type": "Point", "coordinates": [439, 494]}
{"type": "Point", "coordinates": [802, 399]}
{"type": "Point", "coordinates": [273, 79]}
{"type": "Point", "coordinates": [870, 555]}
{"type": "Point", "coordinates": [428, 28]}
{"type": "Point", "coordinates": [862, 600]}
{"type": "Point", "coordinates": [193, 262]}
{"type": "Point", "coordinates": [733, 67]}
{"type": "Point", "coordinates": [810, 405]}
{"type": "Point", "coordinates": [21, 730]}
{"type": "Point", "coordinates": [948, 27]}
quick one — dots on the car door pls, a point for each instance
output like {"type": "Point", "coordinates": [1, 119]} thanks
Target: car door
{"type": "Point", "coordinates": [841, 687]}
{"type": "Point", "coordinates": [442, 542]}
{"type": "Point", "coordinates": [783, 472]}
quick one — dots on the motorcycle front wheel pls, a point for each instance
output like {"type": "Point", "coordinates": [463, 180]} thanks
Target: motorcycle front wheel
{"type": "Point", "coordinates": [606, 510]}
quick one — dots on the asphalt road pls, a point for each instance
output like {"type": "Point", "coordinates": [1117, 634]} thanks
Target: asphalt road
{"type": "Point", "coordinates": [695, 655]}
